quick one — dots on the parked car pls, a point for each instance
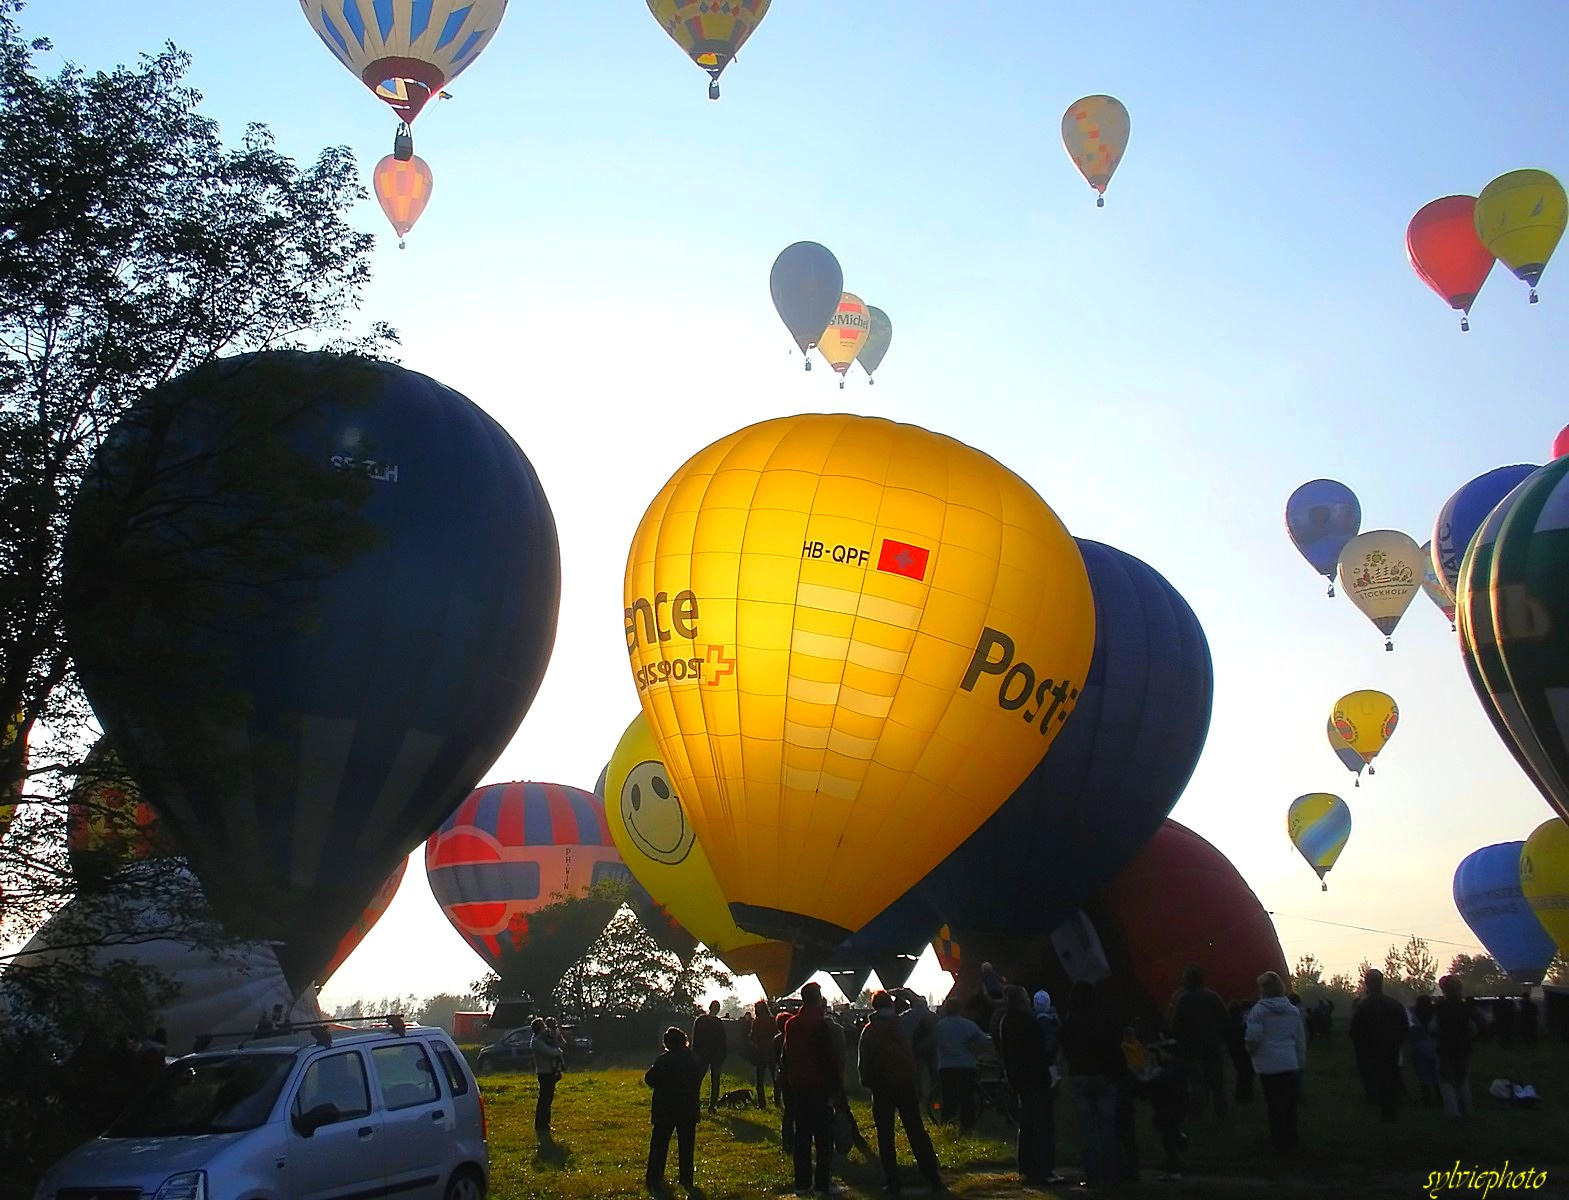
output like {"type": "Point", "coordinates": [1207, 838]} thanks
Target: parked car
{"type": "Point", "coordinates": [515, 1051]}
{"type": "Point", "coordinates": [307, 1115]}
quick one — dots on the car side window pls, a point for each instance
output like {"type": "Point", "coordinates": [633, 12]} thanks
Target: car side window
{"type": "Point", "coordinates": [406, 1075]}
{"type": "Point", "coordinates": [457, 1081]}
{"type": "Point", "coordinates": [338, 1080]}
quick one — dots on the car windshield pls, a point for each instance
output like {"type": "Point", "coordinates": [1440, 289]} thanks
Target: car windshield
{"type": "Point", "coordinates": [220, 1093]}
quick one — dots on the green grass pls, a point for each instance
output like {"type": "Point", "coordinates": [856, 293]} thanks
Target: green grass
{"type": "Point", "coordinates": [600, 1125]}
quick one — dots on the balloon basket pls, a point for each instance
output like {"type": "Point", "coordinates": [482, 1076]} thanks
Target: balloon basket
{"type": "Point", "coordinates": [841, 385]}
{"type": "Point", "coordinates": [1323, 887]}
{"type": "Point", "coordinates": [1100, 201]}
{"type": "Point", "coordinates": [1331, 592]}
{"type": "Point", "coordinates": [870, 382]}
{"type": "Point", "coordinates": [402, 245]}
{"type": "Point", "coordinates": [713, 90]}
{"type": "Point", "coordinates": [1389, 643]}
{"type": "Point", "coordinates": [808, 364]}
{"type": "Point", "coordinates": [1533, 295]}
{"type": "Point", "coordinates": [1465, 326]}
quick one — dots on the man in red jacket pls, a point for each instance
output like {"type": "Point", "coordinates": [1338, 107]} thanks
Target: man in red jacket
{"type": "Point", "coordinates": [814, 1071]}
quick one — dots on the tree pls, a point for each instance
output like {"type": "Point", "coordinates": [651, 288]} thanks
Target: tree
{"type": "Point", "coordinates": [1410, 970]}
{"type": "Point", "coordinates": [134, 246]}
{"type": "Point", "coordinates": [1309, 973]}
{"type": "Point", "coordinates": [1558, 970]}
{"type": "Point", "coordinates": [626, 972]}
{"type": "Point", "coordinates": [1479, 974]}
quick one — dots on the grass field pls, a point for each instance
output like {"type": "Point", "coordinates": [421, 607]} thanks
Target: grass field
{"type": "Point", "coordinates": [600, 1130]}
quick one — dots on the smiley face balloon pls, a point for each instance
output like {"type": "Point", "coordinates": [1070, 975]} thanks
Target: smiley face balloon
{"type": "Point", "coordinates": [853, 639]}
{"type": "Point", "coordinates": [649, 825]}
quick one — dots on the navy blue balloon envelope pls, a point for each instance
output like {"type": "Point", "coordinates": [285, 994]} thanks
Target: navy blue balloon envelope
{"type": "Point", "coordinates": [1487, 893]}
{"type": "Point", "coordinates": [310, 597]}
{"type": "Point", "coordinates": [1105, 787]}
{"type": "Point", "coordinates": [806, 283]}
{"type": "Point", "coordinates": [1321, 517]}
{"type": "Point", "coordinates": [1463, 514]}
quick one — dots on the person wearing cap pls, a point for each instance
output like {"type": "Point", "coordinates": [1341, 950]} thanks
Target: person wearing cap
{"type": "Point", "coordinates": [814, 1070]}
{"type": "Point", "coordinates": [887, 1069]}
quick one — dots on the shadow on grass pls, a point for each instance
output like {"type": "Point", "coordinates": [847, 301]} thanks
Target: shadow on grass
{"type": "Point", "coordinates": [552, 1155]}
{"type": "Point", "coordinates": [743, 1130]}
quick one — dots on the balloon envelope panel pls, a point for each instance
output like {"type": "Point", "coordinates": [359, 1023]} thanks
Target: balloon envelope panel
{"type": "Point", "coordinates": [1544, 879]}
{"type": "Point", "coordinates": [314, 628]}
{"type": "Point", "coordinates": [1463, 514]}
{"type": "Point", "coordinates": [1487, 893]}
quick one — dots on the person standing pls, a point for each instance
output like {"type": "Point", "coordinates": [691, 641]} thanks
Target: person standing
{"type": "Point", "coordinates": [760, 1044]}
{"type": "Point", "coordinates": [1199, 1024]}
{"type": "Point", "coordinates": [1378, 1030]}
{"type": "Point", "coordinates": [677, 1079]}
{"type": "Point", "coordinates": [1092, 1046]}
{"type": "Point", "coordinates": [549, 1065]}
{"type": "Point", "coordinates": [1455, 1030]}
{"type": "Point", "coordinates": [918, 1024]}
{"type": "Point", "coordinates": [708, 1043]}
{"type": "Point", "coordinates": [959, 1043]}
{"type": "Point", "coordinates": [887, 1069]}
{"type": "Point", "coordinates": [1236, 1049]}
{"type": "Point", "coordinates": [1027, 1066]}
{"type": "Point", "coordinates": [1277, 1044]}
{"type": "Point", "coordinates": [782, 1087]}
{"type": "Point", "coordinates": [1424, 1049]}
{"type": "Point", "coordinates": [814, 1073]}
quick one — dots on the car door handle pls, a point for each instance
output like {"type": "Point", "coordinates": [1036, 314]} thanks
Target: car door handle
{"type": "Point", "coordinates": [438, 1115]}
{"type": "Point", "coordinates": [367, 1131]}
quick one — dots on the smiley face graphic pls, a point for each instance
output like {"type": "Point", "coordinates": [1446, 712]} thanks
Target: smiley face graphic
{"type": "Point", "coordinates": [653, 814]}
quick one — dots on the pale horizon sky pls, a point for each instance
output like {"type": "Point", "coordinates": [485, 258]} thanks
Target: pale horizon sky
{"type": "Point", "coordinates": [593, 271]}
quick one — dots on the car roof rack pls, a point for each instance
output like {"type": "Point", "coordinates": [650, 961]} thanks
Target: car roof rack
{"type": "Point", "coordinates": [320, 1030]}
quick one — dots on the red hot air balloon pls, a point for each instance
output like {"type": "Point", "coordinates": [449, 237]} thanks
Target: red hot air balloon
{"type": "Point", "coordinates": [402, 189]}
{"type": "Point", "coordinates": [511, 849]}
{"type": "Point", "coordinates": [1561, 443]}
{"type": "Point", "coordinates": [1446, 254]}
{"type": "Point", "coordinates": [378, 905]}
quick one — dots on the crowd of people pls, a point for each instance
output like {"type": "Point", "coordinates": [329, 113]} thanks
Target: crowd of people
{"type": "Point", "coordinates": [1013, 1049]}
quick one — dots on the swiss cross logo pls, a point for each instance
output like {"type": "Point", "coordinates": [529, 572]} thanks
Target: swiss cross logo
{"type": "Point", "coordinates": [901, 558]}
{"type": "Point", "coordinates": [724, 664]}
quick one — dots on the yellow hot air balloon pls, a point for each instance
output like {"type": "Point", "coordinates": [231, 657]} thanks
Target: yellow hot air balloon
{"type": "Point", "coordinates": [710, 31]}
{"type": "Point", "coordinates": [1520, 216]}
{"type": "Point", "coordinates": [852, 639]}
{"type": "Point", "coordinates": [846, 333]}
{"type": "Point", "coordinates": [1544, 879]}
{"type": "Point", "coordinates": [1363, 722]}
{"type": "Point", "coordinates": [1319, 825]}
{"type": "Point", "coordinates": [1095, 135]}
{"type": "Point", "coordinates": [1380, 571]}
{"type": "Point", "coordinates": [649, 826]}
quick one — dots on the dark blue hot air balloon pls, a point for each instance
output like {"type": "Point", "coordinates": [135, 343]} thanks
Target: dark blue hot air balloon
{"type": "Point", "coordinates": [1114, 772]}
{"type": "Point", "coordinates": [806, 283]}
{"type": "Point", "coordinates": [311, 598]}
{"type": "Point", "coordinates": [1487, 893]}
{"type": "Point", "coordinates": [1321, 517]}
{"type": "Point", "coordinates": [1463, 514]}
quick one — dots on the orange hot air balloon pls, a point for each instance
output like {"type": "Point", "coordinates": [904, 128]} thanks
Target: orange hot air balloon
{"type": "Point", "coordinates": [403, 189]}
{"type": "Point", "coordinates": [1446, 253]}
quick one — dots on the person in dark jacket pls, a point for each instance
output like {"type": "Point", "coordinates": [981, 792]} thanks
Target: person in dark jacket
{"type": "Point", "coordinates": [782, 1087]}
{"type": "Point", "coordinates": [760, 1049]}
{"type": "Point", "coordinates": [1092, 1046]}
{"type": "Point", "coordinates": [1455, 1030]}
{"type": "Point", "coordinates": [1027, 1066]}
{"type": "Point", "coordinates": [708, 1043]}
{"type": "Point", "coordinates": [1201, 1028]}
{"type": "Point", "coordinates": [887, 1069]}
{"type": "Point", "coordinates": [814, 1071]}
{"type": "Point", "coordinates": [677, 1079]}
{"type": "Point", "coordinates": [549, 1064]}
{"type": "Point", "coordinates": [1378, 1029]}
{"type": "Point", "coordinates": [1241, 1061]}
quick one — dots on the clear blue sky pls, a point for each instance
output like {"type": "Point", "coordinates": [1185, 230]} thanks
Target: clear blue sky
{"type": "Point", "coordinates": [593, 267]}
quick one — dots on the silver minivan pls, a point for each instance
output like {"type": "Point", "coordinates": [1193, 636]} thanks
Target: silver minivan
{"type": "Point", "coordinates": [295, 1117]}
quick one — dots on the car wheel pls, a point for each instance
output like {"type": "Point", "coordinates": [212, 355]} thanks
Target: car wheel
{"type": "Point", "coordinates": [465, 1184]}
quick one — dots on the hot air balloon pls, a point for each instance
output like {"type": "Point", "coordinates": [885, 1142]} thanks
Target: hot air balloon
{"type": "Point", "coordinates": [1115, 771]}
{"type": "Point", "coordinates": [827, 617]}
{"type": "Point", "coordinates": [1479, 649]}
{"type": "Point", "coordinates": [950, 955]}
{"type": "Point", "coordinates": [11, 793]}
{"type": "Point", "coordinates": [402, 190]}
{"type": "Point", "coordinates": [405, 53]}
{"type": "Point", "coordinates": [1561, 443]}
{"type": "Point", "coordinates": [649, 824]}
{"type": "Point", "coordinates": [379, 903]}
{"type": "Point", "coordinates": [1487, 893]}
{"type": "Point", "coordinates": [147, 922]}
{"type": "Point", "coordinates": [107, 822]}
{"type": "Point", "coordinates": [1528, 594]}
{"type": "Point", "coordinates": [1318, 825]}
{"type": "Point", "coordinates": [1321, 517]}
{"type": "Point", "coordinates": [1349, 758]}
{"type": "Point", "coordinates": [1446, 253]}
{"type": "Point", "coordinates": [807, 284]}
{"type": "Point", "coordinates": [301, 635]}
{"type": "Point", "coordinates": [878, 339]}
{"type": "Point", "coordinates": [845, 334]}
{"type": "Point", "coordinates": [1520, 216]}
{"type": "Point", "coordinates": [1433, 590]}
{"type": "Point", "coordinates": [1381, 571]}
{"type": "Point", "coordinates": [1095, 135]}
{"type": "Point", "coordinates": [509, 850]}
{"type": "Point", "coordinates": [1544, 879]}
{"type": "Point", "coordinates": [1363, 721]}
{"type": "Point", "coordinates": [1134, 941]}
{"type": "Point", "coordinates": [1463, 514]}
{"type": "Point", "coordinates": [710, 31]}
